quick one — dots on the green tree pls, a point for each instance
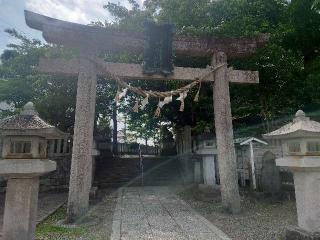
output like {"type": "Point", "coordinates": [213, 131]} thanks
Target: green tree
{"type": "Point", "coordinates": [54, 95]}
{"type": "Point", "coordinates": [20, 82]}
{"type": "Point", "coordinates": [288, 64]}
{"type": "Point", "coordinates": [140, 125]}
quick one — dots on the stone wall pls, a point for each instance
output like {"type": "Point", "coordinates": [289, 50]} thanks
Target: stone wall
{"type": "Point", "coordinates": [59, 179]}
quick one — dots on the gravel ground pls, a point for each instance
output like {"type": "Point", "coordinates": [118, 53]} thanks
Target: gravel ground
{"type": "Point", "coordinates": [259, 220]}
{"type": "Point", "coordinates": [100, 215]}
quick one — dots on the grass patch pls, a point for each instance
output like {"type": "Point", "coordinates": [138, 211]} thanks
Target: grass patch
{"type": "Point", "coordinates": [50, 229]}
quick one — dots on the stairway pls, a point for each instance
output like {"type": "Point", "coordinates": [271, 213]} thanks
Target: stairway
{"type": "Point", "coordinates": [164, 172]}
{"type": "Point", "coordinates": [125, 171]}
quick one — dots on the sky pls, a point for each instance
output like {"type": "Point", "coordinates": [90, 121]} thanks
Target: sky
{"type": "Point", "coordinates": [79, 11]}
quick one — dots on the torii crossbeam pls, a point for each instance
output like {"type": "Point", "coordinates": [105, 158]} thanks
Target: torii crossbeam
{"type": "Point", "coordinates": [91, 40]}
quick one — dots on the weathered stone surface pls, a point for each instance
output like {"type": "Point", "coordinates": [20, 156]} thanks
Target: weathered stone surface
{"type": "Point", "coordinates": [208, 153]}
{"type": "Point", "coordinates": [28, 123]}
{"type": "Point", "coordinates": [21, 209]}
{"type": "Point", "coordinates": [22, 168]}
{"type": "Point", "coordinates": [81, 165]}
{"type": "Point", "coordinates": [59, 179]}
{"type": "Point", "coordinates": [134, 71]}
{"type": "Point", "coordinates": [224, 134]}
{"type": "Point", "coordinates": [26, 167]}
{"type": "Point", "coordinates": [185, 157]}
{"type": "Point", "coordinates": [55, 181]}
{"type": "Point", "coordinates": [304, 162]}
{"type": "Point", "coordinates": [157, 213]}
{"type": "Point", "coordinates": [209, 174]}
{"type": "Point", "coordinates": [300, 126]}
{"type": "Point", "coordinates": [74, 35]}
{"type": "Point", "coordinates": [308, 199]}
{"type": "Point", "coordinates": [197, 172]}
{"type": "Point", "coordinates": [270, 174]}
{"type": "Point", "coordinates": [48, 203]}
{"type": "Point", "coordinates": [295, 233]}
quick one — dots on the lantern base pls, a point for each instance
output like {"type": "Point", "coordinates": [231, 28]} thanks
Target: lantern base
{"type": "Point", "coordinates": [309, 163]}
{"type": "Point", "coordinates": [296, 233]}
{"type": "Point", "coordinates": [20, 213]}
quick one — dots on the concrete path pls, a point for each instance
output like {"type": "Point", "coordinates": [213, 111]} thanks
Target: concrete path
{"type": "Point", "coordinates": [156, 213]}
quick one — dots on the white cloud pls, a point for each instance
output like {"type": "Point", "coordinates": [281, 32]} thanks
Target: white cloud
{"type": "Point", "coordinates": [79, 11]}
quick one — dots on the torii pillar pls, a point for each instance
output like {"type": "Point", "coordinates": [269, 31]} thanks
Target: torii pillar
{"type": "Point", "coordinates": [224, 134]}
{"type": "Point", "coordinates": [81, 165]}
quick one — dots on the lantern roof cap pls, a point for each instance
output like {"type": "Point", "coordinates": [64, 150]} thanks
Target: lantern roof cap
{"type": "Point", "coordinates": [28, 119]}
{"type": "Point", "coordinates": [29, 109]}
{"type": "Point", "coordinates": [28, 123]}
{"type": "Point", "coordinates": [300, 126]}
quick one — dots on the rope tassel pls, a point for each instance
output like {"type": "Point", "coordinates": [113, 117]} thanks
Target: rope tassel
{"type": "Point", "coordinates": [181, 98]}
{"type": "Point", "coordinates": [158, 110]}
{"type": "Point", "coordinates": [166, 96]}
{"type": "Point", "coordinates": [196, 98]}
{"type": "Point", "coordinates": [181, 107]}
{"type": "Point", "coordinates": [117, 97]}
{"type": "Point", "coordinates": [123, 93]}
{"type": "Point", "coordinates": [136, 107]}
{"type": "Point", "coordinates": [144, 102]}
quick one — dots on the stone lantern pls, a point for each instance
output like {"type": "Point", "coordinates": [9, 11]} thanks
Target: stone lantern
{"type": "Point", "coordinates": [208, 151]}
{"type": "Point", "coordinates": [301, 153]}
{"type": "Point", "coordinates": [24, 156]}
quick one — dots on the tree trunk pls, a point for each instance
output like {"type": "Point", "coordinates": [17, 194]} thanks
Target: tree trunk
{"type": "Point", "coordinates": [115, 130]}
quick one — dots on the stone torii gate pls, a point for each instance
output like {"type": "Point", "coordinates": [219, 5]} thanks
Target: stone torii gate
{"type": "Point", "coordinates": [91, 40]}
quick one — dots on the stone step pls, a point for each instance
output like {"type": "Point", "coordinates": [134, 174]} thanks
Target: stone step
{"type": "Point", "coordinates": [119, 172]}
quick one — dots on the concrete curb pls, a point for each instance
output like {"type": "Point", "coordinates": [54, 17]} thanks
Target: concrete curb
{"type": "Point", "coordinates": [116, 220]}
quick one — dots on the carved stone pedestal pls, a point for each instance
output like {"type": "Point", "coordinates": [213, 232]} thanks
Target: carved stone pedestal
{"type": "Point", "coordinates": [208, 153]}
{"type": "Point", "coordinates": [209, 174]}
{"type": "Point", "coordinates": [306, 172]}
{"type": "Point", "coordinates": [296, 233]}
{"type": "Point", "coordinates": [20, 213]}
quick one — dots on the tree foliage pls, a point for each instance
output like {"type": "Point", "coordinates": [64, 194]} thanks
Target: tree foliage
{"type": "Point", "coordinates": [53, 95]}
{"type": "Point", "coordinates": [20, 82]}
{"type": "Point", "coordinates": [288, 64]}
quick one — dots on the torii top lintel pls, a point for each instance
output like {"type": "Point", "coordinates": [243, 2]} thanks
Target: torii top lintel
{"type": "Point", "coordinates": [98, 39]}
